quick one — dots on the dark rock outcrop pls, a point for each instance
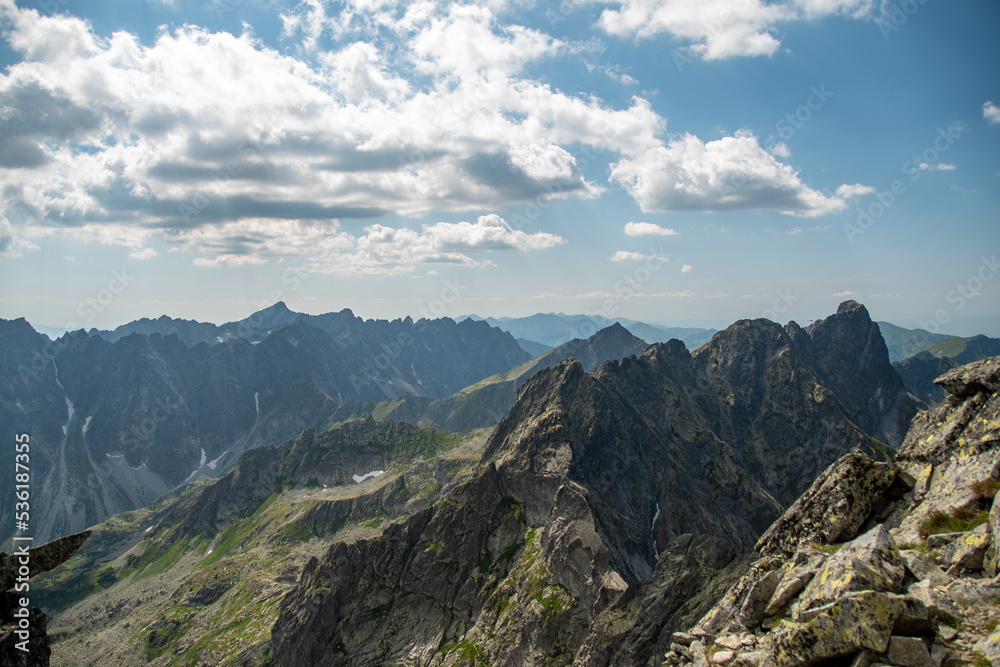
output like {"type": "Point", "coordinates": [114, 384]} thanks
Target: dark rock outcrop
{"type": "Point", "coordinates": [23, 640]}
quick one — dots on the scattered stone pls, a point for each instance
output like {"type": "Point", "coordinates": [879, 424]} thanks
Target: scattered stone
{"type": "Point", "coordinates": [922, 566]}
{"type": "Point", "coordinates": [680, 650]}
{"type": "Point", "coordinates": [909, 652]}
{"type": "Point", "coordinates": [970, 550]}
{"type": "Point", "coordinates": [751, 659]}
{"type": "Point", "coordinates": [698, 654]}
{"type": "Point", "coordinates": [684, 638]}
{"type": "Point", "coordinates": [938, 604]}
{"type": "Point", "coordinates": [947, 633]}
{"type": "Point", "coordinates": [731, 642]}
{"type": "Point", "coordinates": [864, 659]}
{"type": "Point", "coordinates": [940, 655]}
{"type": "Point", "coordinates": [833, 508]}
{"type": "Point", "coordinates": [990, 647]}
{"type": "Point", "coordinates": [752, 612]}
{"type": "Point", "coordinates": [723, 657]}
{"type": "Point", "coordinates": [941, 539]}
{"type": "Point", "coordinates": [792, 583]}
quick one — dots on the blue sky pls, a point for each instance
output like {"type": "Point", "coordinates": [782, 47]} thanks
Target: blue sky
{"type": "Point", "coordinates": [680, 161]}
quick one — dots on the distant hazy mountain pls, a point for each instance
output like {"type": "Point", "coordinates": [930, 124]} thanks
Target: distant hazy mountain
{"type": "Point", "coordinates": [554, 329]}
{"type": "Point", "coordinates": [921, 368]}
{"type": "Point", "coordinates": [114, 425]}
{"type": "Point", "coordinates": [485, 402]}
{"type": "Point", "coordinates": [533, 348]}
{"type": "Point", "coordinates": [966, 350]}
{"type": "Point", "coordinates": [903, 343]}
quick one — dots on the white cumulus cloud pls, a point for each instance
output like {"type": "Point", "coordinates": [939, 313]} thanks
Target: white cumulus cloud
{"type": "Point", "coordinates": [647, 229]}
{"type": "Point", "coordinates": [718, 29]}
{"type": "Point", "coordinates": [991, 112]}
{"type": "Point", "coordinates": [729, 173]}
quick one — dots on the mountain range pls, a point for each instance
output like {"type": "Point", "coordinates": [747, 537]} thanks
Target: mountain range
{"type": "Point", "coordinates": [504, 545]}
{"type": "Point", "coordinates": [116, 423]}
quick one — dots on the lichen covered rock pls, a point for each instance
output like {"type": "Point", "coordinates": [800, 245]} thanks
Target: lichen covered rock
{"type": "Point", "coordinates": [869, 563]}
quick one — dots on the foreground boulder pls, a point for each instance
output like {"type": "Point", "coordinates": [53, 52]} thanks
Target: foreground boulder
{"type": "Point", "coordinates": [880, 563]}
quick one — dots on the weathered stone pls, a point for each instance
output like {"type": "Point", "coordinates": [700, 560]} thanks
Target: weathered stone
{"type": "Point", "coordinates": [855, 622]}
{"type": "Point", "coordinates": [909, 652]}
{"type": "Point", "coordinates": [940, 655]}
{"type": "Point", "coordinates": [990, 647]}
{"type": "Point", "coordinates": [970, 550]}
{"type": "Point", "coordinates": [683, 638]}
{"type": "Point", "coordinates": [792, 583]}
{"type": "Point", "coordinates": [833, 508]}
{"type": "Point", "coordinates": [991, 563]}
{"type": "Point", "coordinates": [869, 563]}
{"type": "Point", "coordinates": [938, 604]}
{"type": "Point", "coordinates": [752, 612]}
{"type": "Point", "coordinates": [680, 649]}
{"type": "Point", "coordinates": [913, 619]}
{"type": "Point", "coordinates": [864, 659]}
{"type": "Point", "coordinates": [942, 539]}
{"type": "Point", "coordinates": [699, 656]}
{"type": "Point", "coordinates": [731, 642]}
{"type": "Point", "coordinates": [722, 657]}
{"type": "Point", "coordinates": [946, 632]}
{"type": "Point", "coordinates": [750, 659]}
{"type": "Point", "coordinates": [922, 566]}
{"type": "Point", "coordinates": [967, 381]}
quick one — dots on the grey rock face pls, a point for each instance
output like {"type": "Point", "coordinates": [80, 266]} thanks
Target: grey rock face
{"type": "Point", "coordinates": [606, 470]}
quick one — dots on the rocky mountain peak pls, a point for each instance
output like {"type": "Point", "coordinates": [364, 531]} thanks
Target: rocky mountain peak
{"type": "Point", "coordinates": [851, 306]}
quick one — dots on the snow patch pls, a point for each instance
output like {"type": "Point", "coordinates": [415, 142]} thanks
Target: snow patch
{"type": "Point", "coordinates": [141, 466]}
{"type": "Point", "coordinates": [256, 401]}
{"type": "Point", "coordinates": [218, 339]}
{"type": "Point", "coordinates": [86, 424]}
{"type": "Point", "coordinates": [118, 456]}
{"type": "Point", "coordinates": [215, 462]}
{"type": "Point", "coordinates": [201, 465]}
{"type": "Point", "coordinates": [150, 528]}
{"type": "Point", "coordinates": [360, 478]}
